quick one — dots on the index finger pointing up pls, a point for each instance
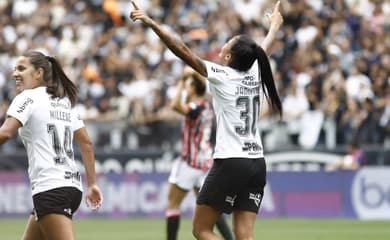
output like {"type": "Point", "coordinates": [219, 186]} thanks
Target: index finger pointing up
{"type": "Point", "coordinates": [135, 5]}
{"type": "Point", "coordinates": [276, 8]}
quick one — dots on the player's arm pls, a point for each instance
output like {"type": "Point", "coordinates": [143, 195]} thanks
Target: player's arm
{"type": "Point", "coordinates": [176, 103]}
{"type": "Point", "coordinates": [94, 196]}
{"type": "Point", "coordinates": [276, 21]}
{"type": "Point", "coordinates": [174, 44]}
{"type": "Point", "coordinates": [9, 129]}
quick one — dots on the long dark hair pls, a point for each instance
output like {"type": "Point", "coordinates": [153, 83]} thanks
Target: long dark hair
{"type": "Point", "coordinates": [244, 52]}
{"type": "Point", "coordinates": [57, 83]}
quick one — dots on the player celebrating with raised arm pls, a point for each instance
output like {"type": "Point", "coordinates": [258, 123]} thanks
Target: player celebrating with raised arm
{"type": "Point", "coordinates": [47, 122]}
{"type": "Point", "coordinates": [237, 178]}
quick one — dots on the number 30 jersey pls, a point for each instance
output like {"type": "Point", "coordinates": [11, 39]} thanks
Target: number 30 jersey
{"type": "Point", "coordinates": [47, 134]}
{"type": "Point", "coordinates": [236, 101]}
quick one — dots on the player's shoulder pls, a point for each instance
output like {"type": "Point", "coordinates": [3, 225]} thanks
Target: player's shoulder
{"type": "Point", "coordinates": [33, 93]}
{"type": "Point", "coordinates": [217, 68]}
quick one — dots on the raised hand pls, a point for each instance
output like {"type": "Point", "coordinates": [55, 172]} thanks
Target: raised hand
{"type": "Point", "coordinates": [275, 17]}
{"type": "Point", "coordinates": [137, 14]}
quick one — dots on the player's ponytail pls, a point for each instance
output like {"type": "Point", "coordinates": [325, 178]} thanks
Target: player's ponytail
{"type": "Point", "coordinates": [57, 83]}
{"type": "Point", "coordinates": [60, 85]}
{"type": "Point", "coordinates": [267, 80]}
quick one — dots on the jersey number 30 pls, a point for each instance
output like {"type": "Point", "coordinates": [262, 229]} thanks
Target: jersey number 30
{"type": "Point", "coordinates": [248, 115]}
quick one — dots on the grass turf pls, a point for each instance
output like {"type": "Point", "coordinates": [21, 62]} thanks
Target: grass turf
{"type": "Point", "coordinates": [267, 229]}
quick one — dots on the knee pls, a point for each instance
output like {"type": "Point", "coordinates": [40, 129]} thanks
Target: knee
{"type": "Point", "coordinates": [196, 231]}
{"type": "Point", "coordinates": [242, 234]}
{"type": "Point", "coordinates": [200, 232]}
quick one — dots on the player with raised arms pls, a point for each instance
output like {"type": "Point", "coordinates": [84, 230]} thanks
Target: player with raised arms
{"type": "Point", "coordinates": [235, 183]}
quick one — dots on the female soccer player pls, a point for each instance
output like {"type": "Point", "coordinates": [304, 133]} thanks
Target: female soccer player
{"type": "Point", "coordinates": [47, 122]}
{"type": "Point", "coordinates": [237, 178]}
{"type": "Point", "coordinates": [190, 169]}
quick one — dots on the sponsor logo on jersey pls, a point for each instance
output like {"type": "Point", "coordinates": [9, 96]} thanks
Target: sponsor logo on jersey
{"type": "Point", "coordinates": [256, 197]}
{"type": "Point", "coordinates": [230, 199]}
{"type": "Point", "coordinates": [251, 146]}
{"type": "Point", "coordinates": [72, 175]}
{"type": "Point", "coordinates": [249, 80]}
{"type": "Point", "coordinates": [56, 104]}
{"type": "Point", "coordinates": [24, 105]}
{"type": "Point", "coordinates": [218, 70]}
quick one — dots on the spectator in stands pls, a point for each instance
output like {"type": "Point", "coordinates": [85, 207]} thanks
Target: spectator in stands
{"type": "Point", "coordinates": [44, 115]}
{"type": "Point", "coordinates": [351, 120]}
{"type": "Point", "coordinates": [353, 160]}
{"type": "Point", "coordinates": [295, 104]}
{"type": "Point", "coordinates": [347, 33]}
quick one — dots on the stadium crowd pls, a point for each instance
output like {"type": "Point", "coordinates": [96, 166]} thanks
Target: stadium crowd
{"type": "Point", "coordinates": [331, 62]}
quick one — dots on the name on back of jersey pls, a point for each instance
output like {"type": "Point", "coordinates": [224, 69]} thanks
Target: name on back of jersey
{"type": "Point", "coordinates": [61, 111]}
{"type": "Point", "coordinates": [60, 115]}
{"type": "Point", "coordinates": [244, 91]}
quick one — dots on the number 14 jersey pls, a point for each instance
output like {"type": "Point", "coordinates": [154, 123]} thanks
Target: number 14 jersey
{"type": "Point", "coordinates": [47, 134]}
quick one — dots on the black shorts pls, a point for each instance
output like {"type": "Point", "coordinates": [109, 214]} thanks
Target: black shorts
{"type": "Point", "coordinates": [64, 200]}
{"type": "Point", "coordinates": [234, 184]}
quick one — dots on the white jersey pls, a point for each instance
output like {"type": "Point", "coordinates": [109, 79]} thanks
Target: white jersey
{"type": "Point", "coordinates": [236, 101]}
{"type": "Point", "coordinates": [47, 134]}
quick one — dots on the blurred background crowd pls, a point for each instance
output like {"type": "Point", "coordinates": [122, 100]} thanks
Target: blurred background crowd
{"type": "Point", "coordinates": [331, 63]}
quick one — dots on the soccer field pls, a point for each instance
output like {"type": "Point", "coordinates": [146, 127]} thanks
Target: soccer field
{"type": "Point", "coordinates": [269, 229]}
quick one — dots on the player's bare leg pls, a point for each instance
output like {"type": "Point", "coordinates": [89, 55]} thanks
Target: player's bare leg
{"type": "Point", "coordinates": [57, 227]}
{"type": "Point", "coordinates": [203, 223]}
{"type": "Point", "coordinates": [243, 224]}
{"type": "Point", "coordinates": [33, 230]}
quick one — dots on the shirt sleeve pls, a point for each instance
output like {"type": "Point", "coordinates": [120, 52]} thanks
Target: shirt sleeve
{"type": "Point", "coordinates": [215, 72]}
{"type": "Point", "coordinates": [22, 107]}
{"type": "Point", "coordinates": [76, 120]}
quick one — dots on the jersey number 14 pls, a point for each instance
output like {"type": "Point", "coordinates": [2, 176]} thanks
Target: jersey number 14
{"type": "Point", "coordinates": [64, 149]}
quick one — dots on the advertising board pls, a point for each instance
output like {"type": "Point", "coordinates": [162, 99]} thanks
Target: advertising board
{"type": "Point", "coordinates": [364, 194]}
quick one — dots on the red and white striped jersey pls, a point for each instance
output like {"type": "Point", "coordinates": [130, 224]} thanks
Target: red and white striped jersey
{"type": "Point", "coordinates": [196, 132]}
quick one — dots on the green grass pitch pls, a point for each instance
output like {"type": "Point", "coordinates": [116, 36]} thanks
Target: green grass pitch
{"type": "Point", "coordinates": [267, 229]}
